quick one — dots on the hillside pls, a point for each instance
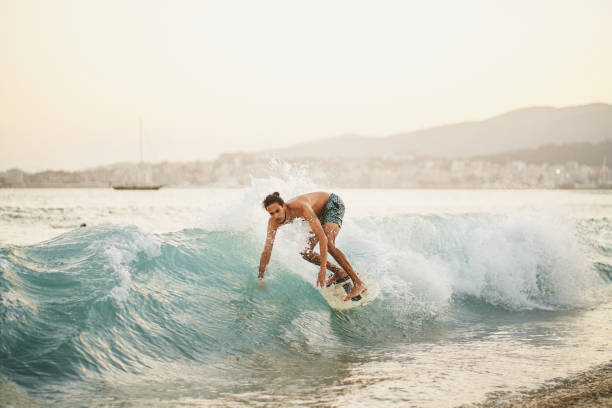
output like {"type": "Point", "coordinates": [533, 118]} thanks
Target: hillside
{"type": "Point", "coordinates": [526, 128]}
{"type": "Point", "coordinates": [590, 154]}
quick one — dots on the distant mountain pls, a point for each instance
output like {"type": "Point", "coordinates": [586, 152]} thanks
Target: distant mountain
{"type": "Point", "coordinates": [591, 154]}
{"type": "Point", "coordinates": [525, 128]}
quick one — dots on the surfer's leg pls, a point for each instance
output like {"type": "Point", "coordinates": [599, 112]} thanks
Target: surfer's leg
{"type": "Point", "coordinates": [331, 231]}
{"type": "Point", "coordinates": [313, 257]}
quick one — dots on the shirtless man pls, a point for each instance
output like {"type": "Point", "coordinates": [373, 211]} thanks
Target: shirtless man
{"type": "Point", "coordinates": [324, 212]}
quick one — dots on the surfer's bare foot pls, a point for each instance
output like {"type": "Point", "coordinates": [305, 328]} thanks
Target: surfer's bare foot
{"type": "Point", "coordinates": [357, 290]}
{"type": "Point", "coordinates": [335, 278]}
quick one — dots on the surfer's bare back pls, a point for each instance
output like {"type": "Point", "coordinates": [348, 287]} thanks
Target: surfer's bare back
{"type": "Point", "coordinates": [324, 212]}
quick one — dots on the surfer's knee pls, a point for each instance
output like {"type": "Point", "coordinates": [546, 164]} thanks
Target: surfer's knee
{"type": "Point", "coordinates": [331, 246]}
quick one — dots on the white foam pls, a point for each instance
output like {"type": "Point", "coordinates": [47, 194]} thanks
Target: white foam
{"type": "Point", "coordinates": [529, 258]}
{"type": "Point", "coordinates": [413, 282]}
{"type": "Point", "coordinates": [524, 261]}
{"type": "Point", "coordinates": [122, 249]}
{"type": "Point", "coordinates": [521, 261]}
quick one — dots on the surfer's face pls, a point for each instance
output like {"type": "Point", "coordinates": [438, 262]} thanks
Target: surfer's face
{"type": "Point", "coordinates": [277, 212]}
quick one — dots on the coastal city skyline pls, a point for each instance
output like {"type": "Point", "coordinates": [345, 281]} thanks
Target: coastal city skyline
{"type": "Point", "coordinates": [529, 128]}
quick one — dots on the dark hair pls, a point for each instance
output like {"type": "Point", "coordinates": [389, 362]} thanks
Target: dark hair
{"type": "Point", "coordinates": [273, 198]}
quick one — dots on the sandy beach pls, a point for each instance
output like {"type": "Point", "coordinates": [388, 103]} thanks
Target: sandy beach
{"type": "Point", "coordinates": [592, 388]}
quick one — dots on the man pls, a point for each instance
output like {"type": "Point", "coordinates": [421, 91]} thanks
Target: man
{"type": "Point", "coordinates": [324, 212]}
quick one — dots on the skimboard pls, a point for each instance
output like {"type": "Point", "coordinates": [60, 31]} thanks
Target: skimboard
{"type": "Point", "coordinates": [335, 293]}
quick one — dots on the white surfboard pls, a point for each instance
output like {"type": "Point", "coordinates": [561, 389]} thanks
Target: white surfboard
{"type": "Point", "coordinates": [334, 294]}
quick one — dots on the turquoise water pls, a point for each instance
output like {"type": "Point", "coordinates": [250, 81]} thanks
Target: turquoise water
{"type": "Point", "coordinates": [156, 301]}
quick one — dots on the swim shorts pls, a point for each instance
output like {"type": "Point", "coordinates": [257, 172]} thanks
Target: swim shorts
{"type": "Point", "coordinates": [333, 210]}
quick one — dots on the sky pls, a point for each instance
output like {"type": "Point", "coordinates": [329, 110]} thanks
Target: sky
{"type": "Point", "coordinates": [209, 77]}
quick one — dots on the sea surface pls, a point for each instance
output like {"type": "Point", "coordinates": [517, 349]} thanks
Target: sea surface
{"type": "Point", "coordinates": [156, 301]}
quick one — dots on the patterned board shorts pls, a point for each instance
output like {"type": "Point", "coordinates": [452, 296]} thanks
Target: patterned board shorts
{"type": "Point", "coordinates": [333, 210]}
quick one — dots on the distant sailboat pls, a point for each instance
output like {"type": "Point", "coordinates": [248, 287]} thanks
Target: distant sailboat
{"type": "Point", "coordinates": [145, 179]}
{"type": "Point", "coordinates": [137, 187]}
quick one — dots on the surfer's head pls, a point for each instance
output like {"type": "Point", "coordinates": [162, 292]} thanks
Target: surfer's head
{"type": "Point", "coordinates": [275, 206]}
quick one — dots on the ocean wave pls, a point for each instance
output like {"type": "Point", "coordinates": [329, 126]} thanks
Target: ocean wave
{"type": "Point", "coordinates": [116, 299]}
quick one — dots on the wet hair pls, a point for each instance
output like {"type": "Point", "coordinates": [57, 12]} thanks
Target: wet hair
{"type": "Point", "coordinates": [273, 198]}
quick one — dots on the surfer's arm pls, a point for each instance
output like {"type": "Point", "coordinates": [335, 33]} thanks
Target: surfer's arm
{"type": "Point", "coordinates": [265, 255]}
{"type": "Point", "coordinates": [316, 227]}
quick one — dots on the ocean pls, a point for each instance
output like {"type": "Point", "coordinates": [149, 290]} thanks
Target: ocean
{"type": "Point", "coordinates": [156, 301]}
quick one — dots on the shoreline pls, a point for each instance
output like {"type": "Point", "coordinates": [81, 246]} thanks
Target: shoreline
{"type": "Point", "coordinates": [590, 388]}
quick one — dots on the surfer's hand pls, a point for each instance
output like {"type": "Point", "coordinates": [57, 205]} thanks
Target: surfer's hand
{"type": "Point", "coordinates": [260, 274]}
{"type": "Point", "coordinates": [321, 278]}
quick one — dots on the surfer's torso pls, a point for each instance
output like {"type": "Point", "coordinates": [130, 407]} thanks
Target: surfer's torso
{"type": "Point", "coordinates": [297, 205]}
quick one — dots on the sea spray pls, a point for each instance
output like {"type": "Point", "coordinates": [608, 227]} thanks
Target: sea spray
{"type": "Point", "coordinates": [522, 260]}
{"type": "Point", "coordinates": [245, 212]}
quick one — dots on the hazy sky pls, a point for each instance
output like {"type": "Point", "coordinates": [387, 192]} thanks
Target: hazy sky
{"type": "Point", "coordinates": [211, 77]}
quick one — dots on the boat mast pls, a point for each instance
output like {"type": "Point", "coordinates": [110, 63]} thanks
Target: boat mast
{"type": "Point", "coordinates": [140, 133]}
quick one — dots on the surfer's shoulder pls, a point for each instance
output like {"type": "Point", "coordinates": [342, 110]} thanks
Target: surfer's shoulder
{"type": "Point", "coordinates": [302, 207]}
{"type": "Point", "coordinates": [297, 203]}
